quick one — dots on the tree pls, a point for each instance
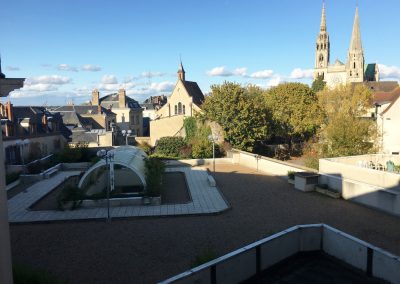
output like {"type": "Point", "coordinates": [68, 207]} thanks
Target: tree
{"type": "Point", "coordinates": [318, 84]}
{"type": "Point", "coordinates": [295, 111]}
{"type": "Point", "coordinates": [241, 112]}
{"type": "Point", "coordinates": [346, 130]}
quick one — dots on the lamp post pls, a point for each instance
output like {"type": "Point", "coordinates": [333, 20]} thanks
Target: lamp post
{"type": "Point", "coordinates": [126, 134]}
{"type": "Point", "coordinates": [108, 156]}
{"type": "Point", "coordinates": [212, 139]}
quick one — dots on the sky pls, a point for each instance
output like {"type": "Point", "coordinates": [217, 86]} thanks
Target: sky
{"type": "Point", "coordinates": [67, 48]}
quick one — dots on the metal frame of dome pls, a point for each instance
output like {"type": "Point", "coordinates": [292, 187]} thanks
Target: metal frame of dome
{"type": "Point", "coordinates": [130, 157]}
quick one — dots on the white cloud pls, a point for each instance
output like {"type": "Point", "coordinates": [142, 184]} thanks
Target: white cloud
{"type": "Point", "coordinates": [12, 68]}
{"type": "Point", "coordinates": [162, 86]}
{"type": "Point", "coordinates": [109, 79]}
{"type": "Point", "coordinates": [66, 67]}
{"type": "Point", "coordinates": [48, 79]}
{"type": "Point", "coordinates": [275, 81]}
{"type": "Point", "coordinates": [224, 72]}
{"type": "Point", "coordinates": [91, 68]}
{"type": "Point", "coordinates": [150, 74]}
{"type": "Point", "coordinates": [263, 74]}
{"type": "Point", "coordinates": [299, 73]}
{"type": "Point", "coordinates": [389, 71]}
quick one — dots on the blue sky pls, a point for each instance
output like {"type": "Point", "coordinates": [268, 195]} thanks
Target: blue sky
{"type": "Point", "coordinates": [67, 48]}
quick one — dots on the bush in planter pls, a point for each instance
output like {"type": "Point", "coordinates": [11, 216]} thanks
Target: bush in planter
{"type": "Point", "coordinates": [72, 194]}
{"type": "Point", "coordinates": [154, 171]}
{"type": "Point", "coordinates": [291, 174]}
{"type": "Point", "coordinates": [170, 146]}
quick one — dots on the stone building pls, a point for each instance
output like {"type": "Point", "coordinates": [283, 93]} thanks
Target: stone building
{"type": "Point", "coordinates": [354, 70]}
{"type": "Point", "coordinates": [129, 114]}
{"type": "Point", "coordinates": [185, 101]}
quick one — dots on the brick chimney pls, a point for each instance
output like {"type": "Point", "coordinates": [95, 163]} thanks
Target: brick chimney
{"type": "Point", "coordinates": [121, 98]}
{"type": "Point", "coordinates": [99, 109]}
{"type": "Point", "coordinates": [95, 97]}
{"type": "Point", "coordinates": [9, 111]}
{"type": "Point", "coordinates": [44, 122]}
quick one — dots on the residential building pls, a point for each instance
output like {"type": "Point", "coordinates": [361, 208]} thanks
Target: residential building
{"type": "Point", "coordinates": [29, 132]}
{"type": "Point", "coordinates": [91, 125]}
{"type": "Point", "coordinates": [129, 114]}
{"type": "Point", "coordinates": [185, 101]}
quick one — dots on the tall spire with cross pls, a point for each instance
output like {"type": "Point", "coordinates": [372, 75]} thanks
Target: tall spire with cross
{"type": "Point", "coordinates": [322, 52]}
{"type": "Point", "coordinates": [181, 71]}
{"type": "Point", "coordinates": [355, 59]}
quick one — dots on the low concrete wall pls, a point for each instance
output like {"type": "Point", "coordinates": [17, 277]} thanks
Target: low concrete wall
{"type": "Point", "coordinates": [115, 202]}
{"type": "Point", "coordinates": [342, 168]}
{"type": "Point", "coordinates": [387, 200]}
{"type": "Point", "coordinates": [241, 264]}
{"type": "Point", "coordinates": [267, 165]}
{"type": "Point", "coordinates": [75, 166]}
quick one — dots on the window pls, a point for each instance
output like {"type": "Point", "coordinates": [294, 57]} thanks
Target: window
{"type": "Point", "coordinates": [183, 109]}
{"type": "Point", "coordinates": [354, 65]}
{"type": "Point", "coordinates": [179, 108]}
{"type": "Point", "coordinates": [176, 109]}
{"type": "Point", "coordinates": [137, 119]}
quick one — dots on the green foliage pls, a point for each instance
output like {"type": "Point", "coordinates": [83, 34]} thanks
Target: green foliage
{"type": "Point", "coordinates": [295, 111]}
{"type": "Point", "coordinates": [71, 194]}
{"type": "Point", "coordinates": [241, 111]}
{"type": "Point", "coordinates": [74, 154]}
{"type": "Point", "coordinates": [318, 84]}
{"type": "Point", "coordinates": [201, 146]}
{"type": "Point", "coordinates": [170, 146]}
{"type": "Point", "coordinates": [25, 275]}
{"type": "Point", "coordinates": [190, 125]}
{"type": "Point", "coordinates": [204, 257]}
{"type": "Point", "coordinates": [344, 131]}
{"type": "Point", "coordinates": [12, 177]}
{"type": "Point", "coordinates": [154, 171]}
{"type": "Point", "coordinates": [291, 174]}
{"type": "Point", "coordinates": [146, 148]}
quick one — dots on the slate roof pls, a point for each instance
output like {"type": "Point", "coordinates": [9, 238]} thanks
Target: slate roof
{"type": "Point", "coordinates": [112, 100]}
{"type": "Point", "coordinates": [396, 95]}
{"type": "Point", "coordinates": [369, 73]}
{"type": "Point", "coordinates": [381, 86]}
{"type": "Point", "coordinates": [83, 109]}
{"type": "Point", "coordinates": [194, 91]}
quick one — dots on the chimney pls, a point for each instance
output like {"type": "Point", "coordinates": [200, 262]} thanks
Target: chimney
{"type": "Point", "coordinates": [44, 122]}
{"type": "Point", "coordinates": [99, 109]}
{"type": "Point", "coordinates": [9, 111]}
{"type": "Point", "coordinates": [95, 97]}
{"type": "Point", "coordinates": [122, 98]}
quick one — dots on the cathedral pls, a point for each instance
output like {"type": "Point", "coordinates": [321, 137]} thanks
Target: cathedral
{"type": "Point", "coordinates": [355, 70]}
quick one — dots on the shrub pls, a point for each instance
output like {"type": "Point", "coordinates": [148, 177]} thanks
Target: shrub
{"type": "Point", "coordinates": [186, 152]}
{"type": "Point", "coordinates": [78, 153]}
{"type": "Point", "coordinates": [170, 146]}
{"type": "Point", "coordinates": [34, 168]}
{"type": "Point", "coordinates": [202, 148]}
{"type": "Point", "coordinates": [190, 126]}
{"type": "Point", "coordinates": [154, 171]}
{"type": "Point", "coordinates": [12, 177]}
{"type": "Point", "coordinates": [72, 194]}
{"type": "Point", "coordinates": [290, 174]}
{"type": "Point", "coordinates": [146, 148]}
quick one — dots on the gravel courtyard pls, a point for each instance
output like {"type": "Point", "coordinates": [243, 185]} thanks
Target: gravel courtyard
{"type": "Point", "coordinates": [147, 250]}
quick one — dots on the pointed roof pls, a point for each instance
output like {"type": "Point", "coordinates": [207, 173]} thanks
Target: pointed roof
{"type": "Point", "coordinates": [355, 43]}
{"type": "Point", "coordinates": [323, 18]}
{"type": "Point", "coordinates": [2, 76]}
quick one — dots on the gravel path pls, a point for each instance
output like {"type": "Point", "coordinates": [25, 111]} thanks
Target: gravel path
{"type": "Point", "coordinates": [146, 250]}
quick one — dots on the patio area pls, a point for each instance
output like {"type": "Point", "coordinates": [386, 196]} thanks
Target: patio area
{"type": "Point", "coordinates": [147, 250]}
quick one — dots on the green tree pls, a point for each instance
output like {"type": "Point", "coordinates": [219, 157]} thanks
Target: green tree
{"type": "Point", "coordinates": [241, 111]}
{"type": "Point", "coordinates": [346, 129]}
{"type": "Point", "coordinates": [295, 111]}
{"type": "Point", "coordinates": [318, 84]}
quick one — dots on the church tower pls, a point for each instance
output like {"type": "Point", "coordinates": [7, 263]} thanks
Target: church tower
{"type": "Point", "coordinates": [355, 59]}
{"type": "Point", "coordinates": [181, 73]}
{"type": "Point", "coordinates": [322, 48]}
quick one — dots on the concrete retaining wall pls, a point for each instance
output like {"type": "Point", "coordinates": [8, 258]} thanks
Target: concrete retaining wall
{"type": "Point", "coordinates": [267, 165]}
{"type": "Point", "coordinates": [242, 264]}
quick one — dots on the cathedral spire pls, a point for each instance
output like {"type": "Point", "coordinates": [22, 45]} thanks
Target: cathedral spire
{"type": "Point", "coordinates": [355, 43]}
{"type": "Point", "coordinates": [323, 19]}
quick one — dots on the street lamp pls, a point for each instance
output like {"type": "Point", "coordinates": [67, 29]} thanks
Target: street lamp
{"type": "Point", "coordinates": [108, 156]}
{"type": "Point", "coordinates": [126, 134]}
{"type": "Point", "coordinates": [212, 139]}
